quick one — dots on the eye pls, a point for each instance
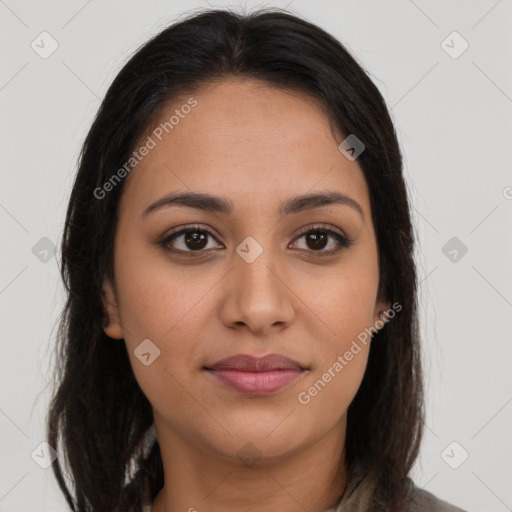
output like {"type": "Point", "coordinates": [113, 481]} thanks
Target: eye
{"type": "Point", "coordinates": [195, 239]}
{"type": "Point", "coordinates": [191, 239]}
{"type": "Point", "coordinates": [317, 238]}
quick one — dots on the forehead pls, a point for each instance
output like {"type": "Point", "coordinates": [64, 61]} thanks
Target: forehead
{"type": "Point", "coordinates": [247, 140]}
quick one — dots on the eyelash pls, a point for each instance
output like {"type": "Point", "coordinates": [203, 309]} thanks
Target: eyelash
{"type": "Point", "coordinates": [344, 242]}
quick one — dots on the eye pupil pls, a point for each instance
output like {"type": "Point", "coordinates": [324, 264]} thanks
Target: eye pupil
{"type": "Point", "coordinates": [316, 237]}
{"type": "Point", "coordinates": [195, 237]}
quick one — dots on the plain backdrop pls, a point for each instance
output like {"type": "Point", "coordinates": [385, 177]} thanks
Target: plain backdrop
{"type": "Point", "coordinates": [452, 107]}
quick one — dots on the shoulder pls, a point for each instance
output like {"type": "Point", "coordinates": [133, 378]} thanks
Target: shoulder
{"type": "Point", "coordinates": [420, 500]}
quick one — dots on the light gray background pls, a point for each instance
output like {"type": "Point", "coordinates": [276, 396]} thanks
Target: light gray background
{"type": "Point", "coordinates": [453, 116]}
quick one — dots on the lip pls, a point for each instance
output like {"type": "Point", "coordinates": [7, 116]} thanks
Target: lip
{"type": "Point", "coordinates": [256, 375]}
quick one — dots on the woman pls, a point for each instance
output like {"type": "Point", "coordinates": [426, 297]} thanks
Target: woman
{"type": "Point", "coordinates": [241, 325]}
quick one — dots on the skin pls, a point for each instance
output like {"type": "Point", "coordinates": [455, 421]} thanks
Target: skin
{"type": "Point", "coordinates": [257, 146]}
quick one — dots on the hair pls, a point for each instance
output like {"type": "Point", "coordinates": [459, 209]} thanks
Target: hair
{"type": "Point", "coordinates": [98, 414]}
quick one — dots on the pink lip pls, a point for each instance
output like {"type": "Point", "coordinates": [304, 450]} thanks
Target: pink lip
{"type": "Point", "coordinates": [256, 376]}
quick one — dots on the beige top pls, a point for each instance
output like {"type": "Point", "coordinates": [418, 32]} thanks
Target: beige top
{"type": "Point", "coordinates": [421, 501]}
{"type": "Point", "coordinates": [425, 501]}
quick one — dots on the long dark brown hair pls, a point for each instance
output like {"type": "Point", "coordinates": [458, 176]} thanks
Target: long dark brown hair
{"type": "Point", "coordinates": [99, 420]}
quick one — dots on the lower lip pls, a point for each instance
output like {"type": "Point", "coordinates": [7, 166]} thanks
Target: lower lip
{"type": "Point", "coordinates": [257, 383]}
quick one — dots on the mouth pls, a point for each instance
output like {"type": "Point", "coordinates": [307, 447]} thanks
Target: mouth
{"type": "Point", "coordinates": [256, 376]}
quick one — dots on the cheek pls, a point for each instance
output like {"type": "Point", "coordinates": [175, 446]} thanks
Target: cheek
{"type": "Point", "coordinates": [156, 294]}
{"type": "Point", "coordinates": [329, 391]}
{"type": "Point", "coordinates": [342, 300]}
{"type": "Point", "coordinates": [163, 304]}
{"type": "Point", "coordinates": [343, 306]}
{"type": "Point", "coordinates": [154, 310]}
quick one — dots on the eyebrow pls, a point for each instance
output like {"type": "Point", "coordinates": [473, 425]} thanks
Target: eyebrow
{"type": "Point", "coordinates": [211, 203]}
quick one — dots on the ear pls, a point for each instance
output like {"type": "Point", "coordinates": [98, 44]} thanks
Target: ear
{"type": "Point", "coordinates": [114, 328]}
{"type": "Point", "coordinates": [381, 306]}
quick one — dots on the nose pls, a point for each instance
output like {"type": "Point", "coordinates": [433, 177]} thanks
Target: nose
{"type": "Point", "coordinates": [258, 295]}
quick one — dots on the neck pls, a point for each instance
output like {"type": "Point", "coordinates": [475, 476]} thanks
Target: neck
{"type": "Point", "coordinates": [311, 478]}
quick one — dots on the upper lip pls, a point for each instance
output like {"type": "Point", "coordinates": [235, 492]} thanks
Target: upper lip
{"type": "Point", "coordinates": [245, 362]}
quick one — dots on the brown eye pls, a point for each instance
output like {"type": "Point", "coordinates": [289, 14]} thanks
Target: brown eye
{"type": "Point", "coordinates": [187, 240]}
{"type": "Point", "coordinates": [195, 240]}
{"type": "Point", "coordinates": [317, 239]}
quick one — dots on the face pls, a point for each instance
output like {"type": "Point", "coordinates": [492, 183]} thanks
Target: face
{"type": "Point", "coordinates": [253, 273]}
